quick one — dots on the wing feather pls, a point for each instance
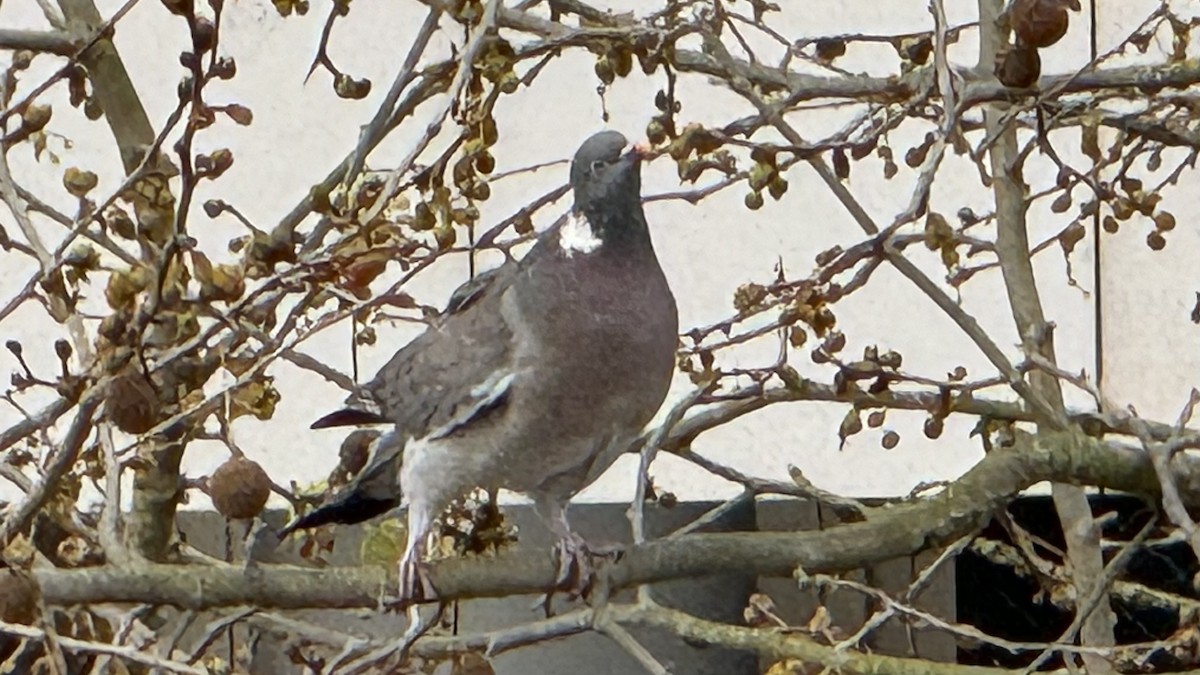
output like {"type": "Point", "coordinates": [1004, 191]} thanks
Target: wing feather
{"type": "Point", "coordinates": [456, 372]}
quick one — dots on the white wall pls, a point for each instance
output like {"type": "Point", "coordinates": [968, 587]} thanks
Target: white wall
{"type": "Point", "coordinates": [301, 130]}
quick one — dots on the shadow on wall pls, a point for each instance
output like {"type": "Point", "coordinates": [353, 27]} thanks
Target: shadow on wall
{"type": "Point", "coordinates": [1015, 606]}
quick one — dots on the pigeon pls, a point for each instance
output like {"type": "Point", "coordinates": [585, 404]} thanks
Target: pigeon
{"type": "Point", "coordinates": [536, 378]}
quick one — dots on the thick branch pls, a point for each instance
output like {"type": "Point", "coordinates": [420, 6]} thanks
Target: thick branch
{"type": "Point", "coordinates": [1080, 531]}
{"type": "Point", "coordinates": [888, 532]}
{"type": "Point", "coordinates": [123, 109]}
{"type": "Point", "coordinates": [976, 87]}
{"type": "Point", "coordinates": [156, 483]}
{"type": "Point", "coordinates": [30, 425]}
{"type": "Point", "coordinates": [52, 41]}
{"type": "Point", "coordinates": [788, 645]}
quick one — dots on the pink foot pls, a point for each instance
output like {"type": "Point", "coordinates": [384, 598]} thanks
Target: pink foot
{"type": "Point", "coordinates": [576, 568]}
{"type": "Point", "coordinates": [415, 585]}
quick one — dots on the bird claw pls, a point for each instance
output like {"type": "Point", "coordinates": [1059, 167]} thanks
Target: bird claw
{"type": "Point", "coordinates": [576, 569]}
{"type": "Point", "coordinates": [415, 586]}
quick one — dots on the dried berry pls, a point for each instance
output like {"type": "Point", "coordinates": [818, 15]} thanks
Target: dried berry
{"type": "Point", "coordinates": [350, 88]}
{"type": "Point", "coordinates": [63, 349]}
{"type": "Point", "coordinates": [1040, 23]}
{"type": "Point", "coordinates": [890, 440]}
{"type": "Point", "coordinates": [356, 449]}
{"type": "Point", "coordinates": [239, 488]}
{"type": "Point", "coordinates": [1018, 67]}
{"type": "Point", "coordinates": [933, 427]}
{"type": "Point", "coordinates": [18, 596]}
{"type": "Point", "coordinates": [131, 403]}
{"type": "Point", "coordinates": [204, 35]}
{"type": "Point", "coordinates": [829, 49]}
{"type": "Point", "coordinates": [1156, 241]}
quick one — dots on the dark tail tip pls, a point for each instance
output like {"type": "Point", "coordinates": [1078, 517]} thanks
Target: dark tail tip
{"type": "Point", "coordinates": [347, 510]}
{"type": "Point", "coordinates": [348, 417]}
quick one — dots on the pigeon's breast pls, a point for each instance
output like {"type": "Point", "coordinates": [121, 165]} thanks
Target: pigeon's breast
{"type": "Point", "coordinates": [598, 350]}
{"type": "Point", "coordinates": [601, 313]}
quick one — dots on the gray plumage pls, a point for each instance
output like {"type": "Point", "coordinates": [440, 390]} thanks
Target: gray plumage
{"type": "Point", "coordinates": [538, 376]}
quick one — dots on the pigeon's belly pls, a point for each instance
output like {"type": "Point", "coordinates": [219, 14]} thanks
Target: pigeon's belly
{"type": "Point", "coordinates": [539, 457]}
{"type": "Point", "coordinates": [559, 467]}
{"type": "Point", "coordinates": [568, 427]}
{"type": "Point", "coordinates": [595, 364]}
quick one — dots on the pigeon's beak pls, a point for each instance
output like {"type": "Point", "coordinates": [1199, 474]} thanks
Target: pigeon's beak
{"type": "Point", "coordinates": [639, 152]}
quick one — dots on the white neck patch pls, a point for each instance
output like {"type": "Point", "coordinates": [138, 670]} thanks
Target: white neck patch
{"type": "Point", "coordinates": [576, 235]}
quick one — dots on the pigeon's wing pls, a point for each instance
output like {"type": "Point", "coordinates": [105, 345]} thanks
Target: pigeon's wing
{"type": "Point", "coordinates": [491, 281]}
{"type": "Point", "coordinates": [457, 370]}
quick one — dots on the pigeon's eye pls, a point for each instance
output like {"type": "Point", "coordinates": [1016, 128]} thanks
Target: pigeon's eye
{"type": "Point", "coordinates": [598, 164]}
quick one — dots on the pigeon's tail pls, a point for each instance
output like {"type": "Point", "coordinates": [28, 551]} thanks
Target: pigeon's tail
{"type": "Point", "coordinates": [349, 417]}
{"type": "Point", "coordinates": [348, 509]}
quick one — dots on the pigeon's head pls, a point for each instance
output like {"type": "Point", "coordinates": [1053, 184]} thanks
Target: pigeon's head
{"type": "Point", "coordinates": [605, 177]}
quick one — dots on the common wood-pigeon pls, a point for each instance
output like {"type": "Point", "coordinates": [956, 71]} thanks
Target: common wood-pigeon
{"type": "Point", "coordinates": [536, 378]}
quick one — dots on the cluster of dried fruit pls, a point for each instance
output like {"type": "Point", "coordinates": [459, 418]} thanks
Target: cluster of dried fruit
{"type": "Point", "coordinates": [1035, 24]}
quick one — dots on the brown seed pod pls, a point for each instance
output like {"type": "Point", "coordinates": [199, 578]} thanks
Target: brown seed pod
{"type": "Point", "coordinates": [18, 596]}
{"type": "Point", "coordinates": [18, 604]}
{"type": "Point", "coordinates": [1040, 23]}
{"type": "Point", "coordinates": [890, 440]}
{"type": "Point", "coordinates": [356, 449]}
{"type": "Point", "coordinates": [934, 427]}
{"type": "Point", "coordinates": [131, 403]}
{"type": "Point", "coordinates": [829, 49]}
{"type": "Point", "coordinates": [1018, 67]}
{"type": "Point", "coordinates": [239, 488]}
{"type": "Point", "coordinates": [1156, 241]}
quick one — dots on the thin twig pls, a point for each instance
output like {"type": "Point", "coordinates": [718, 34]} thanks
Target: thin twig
{"type": "Point", "coordinates": [630, 644]}
{"type": "Point", "coordinates": [110, 517]}
{"type": "Point", "coordinates": [374, 130]}
{"type": "Point", "coordinates": [1088, 604]}
{"type": "Point", "coordinates": [61, 462]}
{"type": "Point", "coordinates": [216, 627]}
{"type": "Point", "coordinates": [127, 652]}
{"type": "Point", "coordinates": [649, 451]}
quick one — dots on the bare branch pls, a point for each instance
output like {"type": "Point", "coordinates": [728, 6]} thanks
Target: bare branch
{"type": "Point", "coordinates": [1088, 605]}
{"type": "Point", "coordinates": [1012, 248]}
{"type": "Point", "coordinates": [897, 530]}
{"type": "Point", "coordinates": [44, 488]}
{"type": "Point", "coordinates": [114, 89]}
{"type": "Point", "coordinates": [51, 41]}
{"type": "Point", "coordinates": [127, 652]}
{"type": "Point", "coordinates": [374, 130]}
{"type": "Point", "coordinates": [619, 635]}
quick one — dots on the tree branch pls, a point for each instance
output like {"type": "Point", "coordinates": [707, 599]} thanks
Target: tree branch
{"type": "Point", "coordinates": [127, 652]}
{"type": "Point", "coordinates": [44, 488]}
{"type": "Point", "coordinates": [123, 109]}
{"type": "Point", "coordinates": [50, 41]}
{"type": "Point", "coordinates": [967, 323]}
{"type": "Point", "coordinates": [888, 532]}
{"type": "Point", "coordinates": [977, 87]}
{"type": "Point", "coordinates": [788, 645]}
{"type": "Point", "coordinates": [1080, 531]}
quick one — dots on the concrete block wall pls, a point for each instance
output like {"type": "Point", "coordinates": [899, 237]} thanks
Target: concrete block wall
{"type": "Point", "coordinates": [719, 598]}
